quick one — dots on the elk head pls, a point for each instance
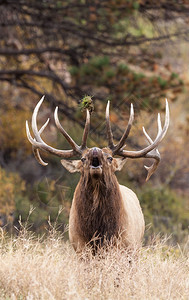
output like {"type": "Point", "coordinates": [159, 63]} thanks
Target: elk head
{"type": "Point", "coordinates": [94, 161]}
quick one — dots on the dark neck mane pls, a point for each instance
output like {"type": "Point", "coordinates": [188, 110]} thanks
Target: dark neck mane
{"type": "Point", "coordinates": [98, 206]}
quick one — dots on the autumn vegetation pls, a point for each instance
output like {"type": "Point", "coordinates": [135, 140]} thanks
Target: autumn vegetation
{"type": "Point", "coordinates": [81, 54]}
{"type": "Point", "coordinates": [38, 268]}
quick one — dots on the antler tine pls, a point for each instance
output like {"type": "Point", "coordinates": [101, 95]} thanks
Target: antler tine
{"type": "Point", "coordinates": [159, 124]}
{"type": "Point", "coordinates": [44, 126]}
{"type": "Point", "coordinates": [154, 153]}
{"type": "Point", "coordinates": [43, 146]}
{"type": "Point", "coordinates": [36, 150]}
{"type": "Point", "coordinates": [38, 156]}
{"type": "Point", "coordinates": [127, 131]}
{"type": "Point", "coordinates": [167, 120]}
{"type": "Point", "coordinates": [154, 166]}
{"type": "Point", "coordinates": [150, 151]}
{"type": "Point", "coordinates": [160, 135]}
{"type": "Point", "coordinates": [38, 142]}
{"type": "Point", "coordinates": [108, 128]}
{"type": "Point", "coordinates": [150, 141]}
{"type": "Point", "coordinates": [34, 121]}
{"type": "Point", "coordinates": [86, 131]}
{"type": "Point", "coordinates": [65, 134]}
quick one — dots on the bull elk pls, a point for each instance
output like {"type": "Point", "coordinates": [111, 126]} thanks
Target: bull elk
{"type": "Point", "coordinates": [101, 208]}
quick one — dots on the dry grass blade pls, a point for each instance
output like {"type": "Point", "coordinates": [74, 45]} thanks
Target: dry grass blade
{"type": "Point", "coordinates": [50, 269]}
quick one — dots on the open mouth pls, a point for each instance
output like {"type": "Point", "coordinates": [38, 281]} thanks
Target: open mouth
{"type": "Point", "coordinates": [95, 163]}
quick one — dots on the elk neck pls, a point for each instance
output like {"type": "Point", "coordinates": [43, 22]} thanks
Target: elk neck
{"type": "Point", "coordinates": [98, 205]}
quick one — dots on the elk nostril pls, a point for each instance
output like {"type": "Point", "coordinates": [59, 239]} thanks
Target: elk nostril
{"type": "Point", "coordinates": [95, 162]}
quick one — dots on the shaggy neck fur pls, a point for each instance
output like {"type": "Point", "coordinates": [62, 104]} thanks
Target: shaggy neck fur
{"type": "Point", "coordinates": [98, 206]}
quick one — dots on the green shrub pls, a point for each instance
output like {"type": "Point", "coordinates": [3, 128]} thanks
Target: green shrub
{"type": "Point", "coordinates": [99, 61]}
{"type": "Point", "coordinates": [162, 82]}
{"type": "Point", "coordinates": [166, 212]}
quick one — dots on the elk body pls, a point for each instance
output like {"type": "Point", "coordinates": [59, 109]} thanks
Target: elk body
{"type": "Point", "coordinates": [101, 208]}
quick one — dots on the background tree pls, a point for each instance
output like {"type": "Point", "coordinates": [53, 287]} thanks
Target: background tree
{"type": "Point", "coordinates": [114, 50]}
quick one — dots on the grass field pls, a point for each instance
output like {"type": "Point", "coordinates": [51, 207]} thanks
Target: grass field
{"type": "Point", "coordinates": [48, 268]}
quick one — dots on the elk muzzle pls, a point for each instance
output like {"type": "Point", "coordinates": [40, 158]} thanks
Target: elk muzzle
{"type": "Point", "coordinates": [95, 157]}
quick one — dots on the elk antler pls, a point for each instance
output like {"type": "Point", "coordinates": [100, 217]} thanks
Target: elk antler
{"type": "Point", "coordinates": [150, 151]}
{"type": "Point", "coordinates": [38, 143]}
{"type": "Point", "coordinates": [85, 132]}
{"type": "Point", "coordinates": [121, 143]}
{"type": "Point", "coordinates": [108, 128]}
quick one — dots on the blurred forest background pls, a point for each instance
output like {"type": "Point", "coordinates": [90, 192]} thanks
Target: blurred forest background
{"type": "Point", "coordinates": [123, 51]}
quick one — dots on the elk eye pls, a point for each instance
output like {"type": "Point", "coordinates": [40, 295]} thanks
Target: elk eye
{"type": "Point", "coordinates": [83, 159]}
{"type": "Point", "coordinates": [110, 158]}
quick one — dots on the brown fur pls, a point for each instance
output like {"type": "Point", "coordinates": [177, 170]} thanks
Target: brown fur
{"type": "Point", "coordinates": [102, 209]}
{"type": "Point", "coordinates": [98, 202]}
{"type": "Point", "coordinates": [98, 208]}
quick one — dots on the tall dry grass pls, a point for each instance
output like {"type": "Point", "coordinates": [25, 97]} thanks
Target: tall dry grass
{"type": "Point", "coordinates": [48, 268]}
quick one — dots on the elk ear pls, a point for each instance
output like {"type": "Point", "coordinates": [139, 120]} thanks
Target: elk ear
{"type": "Point", "coordinates": [119, 163]}
{"type": "Point", "coordinates": [71, 165]}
